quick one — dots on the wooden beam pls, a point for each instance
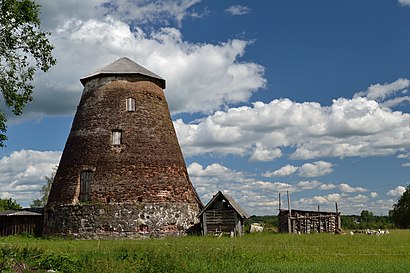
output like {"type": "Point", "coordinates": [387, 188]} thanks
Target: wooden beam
{"type": "Point", "coordinates": [280, 202]}
{"type": "Point", "coordinates": [289, 208]}
{"type": "Point", "coordinates": [204, 227]}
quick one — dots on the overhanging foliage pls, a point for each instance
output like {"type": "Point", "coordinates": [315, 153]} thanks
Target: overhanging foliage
{"type": "Point", "coordinates": [24, 48]}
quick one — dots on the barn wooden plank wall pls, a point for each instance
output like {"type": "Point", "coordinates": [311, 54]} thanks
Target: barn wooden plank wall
{"type": "Point", "coordinates": [11, 225]}
{"type": "Point", "coordinates": [220, 220]}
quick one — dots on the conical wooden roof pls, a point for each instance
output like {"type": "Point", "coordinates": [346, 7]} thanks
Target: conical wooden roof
{"type": "Point", "coordinates": [123, 66]}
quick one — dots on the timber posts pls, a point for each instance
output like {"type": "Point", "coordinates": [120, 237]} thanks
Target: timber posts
{"type": "Point", "coordinates": [280, 202]}
{"type": "Point", "coordinates": [290, 214]}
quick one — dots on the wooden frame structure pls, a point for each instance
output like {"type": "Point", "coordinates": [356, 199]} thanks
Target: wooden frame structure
{"type": "Point", "coordinates": [222, 215]}
{"type": "Point", "coordinates": [304, 221]}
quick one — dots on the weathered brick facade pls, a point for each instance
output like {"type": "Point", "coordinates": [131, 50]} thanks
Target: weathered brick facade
{"type": "Point", "coordinates": [133, 159]}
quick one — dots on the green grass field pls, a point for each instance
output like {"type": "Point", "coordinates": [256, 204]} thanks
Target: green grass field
{"type": "Point", "coordinates": [250, 253]}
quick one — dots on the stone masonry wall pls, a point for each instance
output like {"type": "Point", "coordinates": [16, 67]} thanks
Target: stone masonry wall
{"type": "Point", "coordinates": [93, 221]}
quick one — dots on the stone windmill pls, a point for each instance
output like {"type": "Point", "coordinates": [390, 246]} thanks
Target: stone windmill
{"type": "Point", "coordinates": [122, 173]}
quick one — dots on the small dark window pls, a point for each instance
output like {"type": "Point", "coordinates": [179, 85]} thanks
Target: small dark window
{"type": "Point", "coordinates": [218, 205]}
{"type": "Point", "coordinates": [116, 137]}
{"type": "Point", "coordinates": [85, 184]}
{"type": "Point", "coordinates": [130, 104]}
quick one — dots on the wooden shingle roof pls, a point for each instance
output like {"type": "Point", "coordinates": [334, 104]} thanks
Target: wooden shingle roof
{"type": "Point", "coordinates": [230, 200]}
{"type": "Point", "coordinates": [123, 66]}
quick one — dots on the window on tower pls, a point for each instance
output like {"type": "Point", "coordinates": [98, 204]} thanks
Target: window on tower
{"type": "Point", "coordinates": [85, 184]}
{"type": "Point", "coordinates": [130, 102]}
{"type": "Point", "coordinates": [116, 137]}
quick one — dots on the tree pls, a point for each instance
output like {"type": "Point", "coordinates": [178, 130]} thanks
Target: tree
{"type": "Point", "coordinates": [401, 210]}
{"type": "Point", "coordinates": [366, 216]}
{"type": "Point", "coordinates": [8, 204]}
{"type": "Point", "coordinates": [45, 191]}
{"type": "Point", "coordinates": [24, 48]}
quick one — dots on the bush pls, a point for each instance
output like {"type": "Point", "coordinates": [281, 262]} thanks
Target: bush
{"type": "Point", "coordinates": [13, 258]}
{"type": "Point", "coordinates": [58, 262]}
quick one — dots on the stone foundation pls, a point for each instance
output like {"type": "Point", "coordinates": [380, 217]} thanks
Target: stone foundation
{"type": "Point", "coordinates": [94, 221]}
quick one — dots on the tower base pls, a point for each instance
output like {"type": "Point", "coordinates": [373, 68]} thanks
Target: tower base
{"type": "Point", "coordinates": [95, 221]}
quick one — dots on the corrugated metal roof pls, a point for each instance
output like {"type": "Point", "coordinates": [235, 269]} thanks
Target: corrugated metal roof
{"type": "Point", "coordinates": [123, 66]}
{"type": "Point", "coordinates": [19, 213]}
{"type": "Point", "coordinates": [230, 200]}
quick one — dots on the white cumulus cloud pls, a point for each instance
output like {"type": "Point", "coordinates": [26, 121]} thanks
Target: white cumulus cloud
{"type": "Point", "coordinates": [347, 204]}
{"type": "Point", "coordinates": [316, 200]}
{"type": "Point", "coordinates": [318, 168]}
{"type": "Point", "coordinates": [90, 39]}
{"type": "Point", "coordinates": [348, 127]}
{"type": "Point", "coordinates": [347, 188]}
{"type": "Point", "coordinates": [398, 191]}
{"type": "Point", "coordinates": [381, 91]}
{"type": "Point", "coordinates": [314, 169]}
{"type": "Point", "coordinates": [307, 185]}
{"type": "Point", "coordinates": [256, 196]}
{"type": "Point", "coordinates": [334, 197]}
{"type": "Point", "coordinates": [238, 10]}
{"type": "Point", "coordinates": [261, 153]}
{"type": "Point", "coordinates": [22, 174]}
{"type": "Point", "coordinates": [284, 171]}
{"type": "Point", "coordinates": [374, 194]}
{"type": "Point", "coordinates": [140, 12]}
{"type": "Point", "coordinates": [404, 2]}
{"type": "Point", "coordinates": [313, 200]}
{"type": "Point", "coordinates": [326, 187]}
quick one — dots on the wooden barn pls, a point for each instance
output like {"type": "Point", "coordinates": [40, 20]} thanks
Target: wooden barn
{"type": "Point", "coordinates": [222, 215]}
{"type": "Point", "coordinates": [305, 221]}
{"type": "Point", "coordinates": [21, 221]}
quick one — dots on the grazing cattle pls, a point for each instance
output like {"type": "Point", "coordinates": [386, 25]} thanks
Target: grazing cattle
{"type": "Point", "coordinates": [376, 232]}
{"type": "Point", "coordinates": [382, 232]}
{"type": "Point", "coordinates": [256, 227]}
{"type": "Point", "coordinates": [370, 232]}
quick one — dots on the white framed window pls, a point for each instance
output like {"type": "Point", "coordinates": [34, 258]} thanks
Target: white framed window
{"type": "Point", "coordinates": [130, 102]}
{"type": "Point", "coordinates": [85, 185]}
{"type": "Point", "coordinates": [116, 137]}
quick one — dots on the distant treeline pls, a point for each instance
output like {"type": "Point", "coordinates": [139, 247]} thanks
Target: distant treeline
{"type": "Point", "coordinates": [268, 221]}
{"type": "Point", "coordinates": [366, 220]}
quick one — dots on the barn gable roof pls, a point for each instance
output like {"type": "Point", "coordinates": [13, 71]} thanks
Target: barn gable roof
{"type": "Point", "coordinates": [123, 66]}
{"type": "Point", "coordinates": [230, 200]}
{"type": "Point", "coordinates": [21, 212]}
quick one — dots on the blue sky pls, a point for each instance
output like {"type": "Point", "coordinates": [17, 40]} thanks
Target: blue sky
{"type": "Point", "coordinates": [309, 97]}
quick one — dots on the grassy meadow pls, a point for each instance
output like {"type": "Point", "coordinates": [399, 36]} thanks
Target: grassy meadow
{"type": "Point", "coordinates": [265, 252]}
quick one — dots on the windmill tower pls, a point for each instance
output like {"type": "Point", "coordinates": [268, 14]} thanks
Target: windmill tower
{"type": "Point", "coordinates": [122, 173]}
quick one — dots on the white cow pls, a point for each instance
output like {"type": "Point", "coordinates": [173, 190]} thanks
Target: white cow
{"type": "Point", "coordinates": [256, 227]}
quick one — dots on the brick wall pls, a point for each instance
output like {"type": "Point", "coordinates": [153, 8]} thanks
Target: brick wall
{"type": "Point", "coordinates": [147, 167]}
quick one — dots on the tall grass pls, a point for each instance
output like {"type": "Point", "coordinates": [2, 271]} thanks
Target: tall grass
{"type": "Point", "coordinates": [250, 253]}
